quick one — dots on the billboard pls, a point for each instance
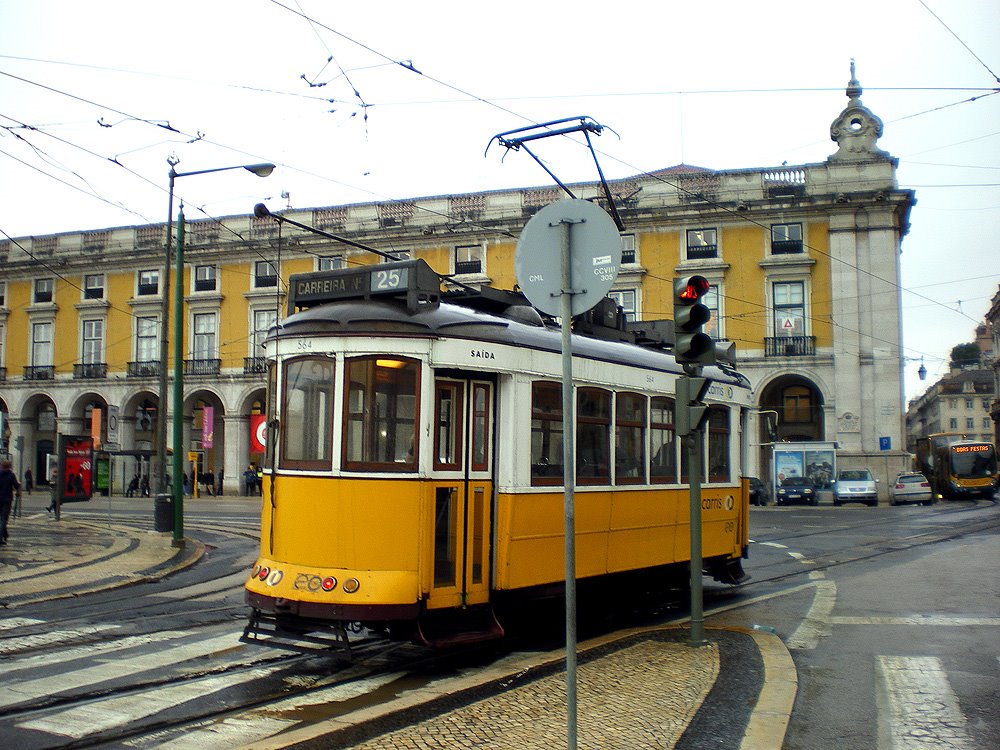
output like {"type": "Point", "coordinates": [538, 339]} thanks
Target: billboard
{"type": "Point", "coordinates": [76, 468]}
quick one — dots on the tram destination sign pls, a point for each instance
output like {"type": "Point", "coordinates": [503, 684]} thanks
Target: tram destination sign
{"type": "Point", "coordinates": [400, 278]}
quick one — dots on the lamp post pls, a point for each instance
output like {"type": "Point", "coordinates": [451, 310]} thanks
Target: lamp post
{"type": "Point", "coordinates": [261, 170]}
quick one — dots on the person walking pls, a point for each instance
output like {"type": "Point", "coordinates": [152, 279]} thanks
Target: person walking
{"type": "Point", "coordinates": [9, 486]}
{"type": "Point", "coordinates": [29, 481]}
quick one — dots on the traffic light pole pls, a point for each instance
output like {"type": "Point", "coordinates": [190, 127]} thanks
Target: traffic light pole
{"type": "Point", "coordinates": [688, 388]}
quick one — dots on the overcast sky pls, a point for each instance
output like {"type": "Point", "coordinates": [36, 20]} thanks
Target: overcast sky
{"type": "Point", "coordinates": [371, 101]}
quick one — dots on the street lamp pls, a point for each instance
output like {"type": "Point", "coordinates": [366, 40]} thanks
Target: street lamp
{"type": "Point", "coordinates": [261, 170]}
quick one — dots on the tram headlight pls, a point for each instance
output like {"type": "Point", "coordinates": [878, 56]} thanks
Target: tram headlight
{"type": "Point", "coordinates": [351, 585]}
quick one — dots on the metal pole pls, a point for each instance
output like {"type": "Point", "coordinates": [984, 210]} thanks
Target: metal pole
{"type": "Point", "coordinates": [178, 413]}
{"type": "Point", "coordinates": [158, 472]}
{"type": "Point", "coordinates": [694, 446]}
{"type": "Point", "coordinates": [569, 466]}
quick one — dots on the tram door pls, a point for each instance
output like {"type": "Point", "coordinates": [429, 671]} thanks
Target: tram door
{"type": "Point", "coordinates": [463, 489]}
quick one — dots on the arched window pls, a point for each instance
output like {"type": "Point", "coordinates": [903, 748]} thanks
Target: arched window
{"type": "Point", "coordinates": [796, 403]}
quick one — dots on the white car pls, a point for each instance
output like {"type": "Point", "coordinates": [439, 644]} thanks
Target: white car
{"type": "Point", "coordinates": [855, 486]}
{"type": "Point", "coordinates": [910, 487]}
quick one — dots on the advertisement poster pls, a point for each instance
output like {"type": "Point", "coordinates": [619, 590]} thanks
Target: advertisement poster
{"type": "Point", "coordinates": [76, 462]}
{"type": "Point", "coordinates": [819, 468]}
{"type": "Point", "coordinates": [258, 433]}
{"type": "Point", "coordinates": [787, 464]}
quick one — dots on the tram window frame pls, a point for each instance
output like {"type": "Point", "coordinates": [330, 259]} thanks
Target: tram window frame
{"type": "Point", "coordinates": [366, 415]}
{"type": "Point", "coordinates": [479, 453]}
{"type": "Point", "coordinates": [448, 432]}
{"type": "Point", "coordinates": [660, 406]}
{"type": "Point", "coordinates": [322, 455]}
{"type": "Point", "coordinates": [718, 446]}
{"type": "Point", "coordinates": [271, 395]}
{"type": "Point", "coordinates": [546, 433]}
{"type": "Point", "coordinates": [593, 436]}
{"type": "Point", "coordinates": [630, 429]}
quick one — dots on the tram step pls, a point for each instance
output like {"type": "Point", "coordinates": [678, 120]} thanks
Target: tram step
{"type": "Point", "coordinates": [457, 628]}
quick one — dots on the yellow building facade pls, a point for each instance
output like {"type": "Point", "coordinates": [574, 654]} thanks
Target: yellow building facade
{"type": "Point", "coordinates": [803, 262]}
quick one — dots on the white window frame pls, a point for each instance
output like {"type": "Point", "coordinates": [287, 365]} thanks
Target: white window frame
{"type": "Point", "coordinates": [147, 334]}
{"type": "Point", "coordinates": [629, 244]}
{"type": "Point", "coordinates": [776, 330]}
{"type": "Point", "coordinates": [264, 280]}
{"type": "Point", "coordinates": [202, 275]}
{"type": "Point", "coordinates": [204, 336]}
{"type": "Point", "coordinates": [704, 234]}
{"type": "Point", "coordinates": [94, 282]}
{"type": "Point", "coordinates": [41, 347]}
{"type": "Point", "coordinates": [92, 341]}
{"type": "Point", "coordinates": [330, 262]}
{"type": "Point", "coordinates": [260, 316]}
{"type": "Point", "coordinates": [628, 301]}
{"type": "Point", "coordinates": [146, 278]}
{"type": "Point", "coordinates": [44, 287]}
{"type": "Point", "coordinates": [787, 226]}
{"type": "Point", "coordinates": [468, 254]}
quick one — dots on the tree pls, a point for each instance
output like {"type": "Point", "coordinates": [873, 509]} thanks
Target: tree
{"type": "Point", "coordinates": [965, 355]}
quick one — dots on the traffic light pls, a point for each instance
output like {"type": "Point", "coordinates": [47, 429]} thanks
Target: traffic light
{"type": "Point", "coordinates": [691, 344]}
{"type": "Point", "coordinates": [690, 410]}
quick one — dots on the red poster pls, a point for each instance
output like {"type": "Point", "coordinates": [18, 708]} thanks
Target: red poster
{"type": "Point", "coordinates": [258, 433]}
{"type": "Point", "coordinates": [76, 477]}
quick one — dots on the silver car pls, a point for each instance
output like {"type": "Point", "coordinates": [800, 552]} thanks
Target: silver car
{"type": "Point", "coordinates": [910, 487]}
{"type": "Point", "coordinates": [855, 486]}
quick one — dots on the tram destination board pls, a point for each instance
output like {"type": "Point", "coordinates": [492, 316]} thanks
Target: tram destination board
{"type": "Point", "coordinates": [398, 279]}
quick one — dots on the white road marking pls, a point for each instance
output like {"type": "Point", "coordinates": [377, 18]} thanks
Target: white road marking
{"type": "Point", "coordinates": [90, 650]}
{"type": "Point", "coordinates": [16, 622]}
{"type": "Point", "coordinates": [817, 621]}
{"type": "Point", "coordinates": [31, 690]}
{"type": "Point", "coordinates": [922, 711]}
{"type": "Point", "coordinates": [102, 715]}
{"type": "Point", "coordinates": [266, 722]}
{"type": "Point", "coordinates": [931, 620]}
{"type": "Point", "coordinates": [44, 639]}
{"type": "Point", "coordinates": [773, 544]}
{"type": "Point", "coordinates": [801, 558]}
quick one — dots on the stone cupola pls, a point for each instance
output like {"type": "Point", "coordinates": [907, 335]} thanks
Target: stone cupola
{"type": "Point", "coordinates": [856, 129]}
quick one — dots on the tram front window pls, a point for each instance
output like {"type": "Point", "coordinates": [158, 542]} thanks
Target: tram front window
{"type": "Point", "coordinates": [380, 414]}
{"type": "Point", "coordinates": [307, 413]}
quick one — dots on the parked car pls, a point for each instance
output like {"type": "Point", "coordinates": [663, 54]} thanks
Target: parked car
{"type": "Point", "coordinates": [797, 490]}
{"type": "Point", "coordinates": [911, 487]}
{"type": "Point", "coordinates": [855, 486]}
{"type": "Point", "coordinates": [758, 493]}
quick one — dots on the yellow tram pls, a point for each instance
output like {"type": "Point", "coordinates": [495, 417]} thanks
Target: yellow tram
{"type": "Point", "coordinates": [414, 472]}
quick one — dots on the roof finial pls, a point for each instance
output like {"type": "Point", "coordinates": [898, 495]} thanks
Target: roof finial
{"type": "Point", "coordinates": [854, 86]}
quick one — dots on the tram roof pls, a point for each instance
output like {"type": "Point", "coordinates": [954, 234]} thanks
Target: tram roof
{"type": "Point", "coordinates": [519, 326]}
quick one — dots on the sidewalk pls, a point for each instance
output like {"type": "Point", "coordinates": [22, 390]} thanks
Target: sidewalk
{"type": "Point", "coordinates": [45, 559]}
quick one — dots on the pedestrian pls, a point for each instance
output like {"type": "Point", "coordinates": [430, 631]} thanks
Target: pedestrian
{"type": "Point", "coordinates": [29, 480]}
{"type": "Point", "coordinates": [144, 486]}
{"type": "Point", "coordinates": [250, 480]}
{"type": "Point", "coordinates": [9, 486]}
{"type": "Point", "coordinates": [133, 486]}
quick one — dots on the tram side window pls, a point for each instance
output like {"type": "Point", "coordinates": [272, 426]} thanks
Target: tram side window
{"type": "Point", "coordinates": [546, 433]}
{"type": "Point", "coordinates": [307, 414]}
{"type": "Point", "coordinates": [718, 444]}
{"type": "Point", "coordinates": [593, 436]}
{"type": "Point", "coordinates": [448, 427]}
{"type": "Point", "coordinates": [380, 414]}
{"type": "Point", "coordinates": [662, 441]}
{"type": "Point", "coordinates": [630, 438]}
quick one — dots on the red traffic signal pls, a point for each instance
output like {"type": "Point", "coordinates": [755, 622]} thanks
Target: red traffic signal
{"type": "Point", "coordinates": [691, 344]}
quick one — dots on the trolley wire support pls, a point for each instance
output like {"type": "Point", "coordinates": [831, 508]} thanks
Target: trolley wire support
{"type": "Point", "coordinates": [514, 140]}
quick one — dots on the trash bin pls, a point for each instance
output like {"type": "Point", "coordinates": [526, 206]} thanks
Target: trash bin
{"type": "Point", "coordinates": [163, 513]}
